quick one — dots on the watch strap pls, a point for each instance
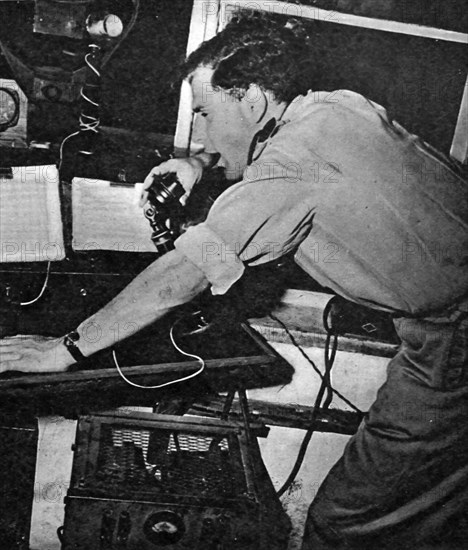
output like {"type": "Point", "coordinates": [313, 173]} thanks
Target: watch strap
{"type": "Point", "coordinates": [70, 342]}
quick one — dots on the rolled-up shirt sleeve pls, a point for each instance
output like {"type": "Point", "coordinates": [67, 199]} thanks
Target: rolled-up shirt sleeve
{"type": "Point", "coordinates": [255, 221]}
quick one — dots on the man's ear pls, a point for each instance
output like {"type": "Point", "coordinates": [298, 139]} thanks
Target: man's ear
{"type": "Point", "coordinates": [254, 104]}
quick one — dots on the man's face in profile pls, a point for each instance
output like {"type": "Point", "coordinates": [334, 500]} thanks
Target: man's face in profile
{"type": "Point", "coordinates": [229, 131]}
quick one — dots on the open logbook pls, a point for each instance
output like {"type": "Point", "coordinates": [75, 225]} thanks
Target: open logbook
{"type": "Point", "coordinates": [107, 217]}
{"type": "Point", "coordinates": [30, 217]}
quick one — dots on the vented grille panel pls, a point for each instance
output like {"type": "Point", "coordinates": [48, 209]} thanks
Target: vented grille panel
{"type": "Point", "coordinates": [168, 461]}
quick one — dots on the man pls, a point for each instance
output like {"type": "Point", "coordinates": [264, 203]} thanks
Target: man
{"type": "Point", "coordinates": [371, 212]}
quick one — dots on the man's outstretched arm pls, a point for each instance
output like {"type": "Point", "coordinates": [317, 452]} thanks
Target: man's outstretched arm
{"type": "Point", "coordinates": [168, 282]}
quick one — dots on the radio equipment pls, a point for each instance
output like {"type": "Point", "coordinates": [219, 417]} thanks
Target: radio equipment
{"type": "Point", "coordinates": [146, 481]}
{"type": "Point", "coordinates": [13, 114]}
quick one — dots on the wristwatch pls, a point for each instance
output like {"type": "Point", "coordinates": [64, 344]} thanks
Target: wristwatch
{"type": "Point", "coordinates": [69, 342]}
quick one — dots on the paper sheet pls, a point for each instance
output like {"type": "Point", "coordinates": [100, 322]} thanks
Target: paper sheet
{"type": "Point", "coordinates": [30, 219]}
{"type": "Point", "coordinates": [107, 217]}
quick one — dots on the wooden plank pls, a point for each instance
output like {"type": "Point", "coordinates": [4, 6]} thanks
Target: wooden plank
{"type": "Point", "coordinates": [172, 422]}
{"type": "Point", "coordinates": [109, 417]}
{"type": "Point", "coordinates": [286, 415]}
{"type": "Point", "coordinates": [136, 371]}
{"type": "Point", "coordinates": [317, 339]}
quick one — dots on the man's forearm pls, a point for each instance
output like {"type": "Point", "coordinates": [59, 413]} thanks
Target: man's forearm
{"type": "Point", "coordinates": [170, 281]}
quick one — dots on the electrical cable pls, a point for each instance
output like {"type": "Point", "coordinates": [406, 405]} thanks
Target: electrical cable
{"type": "Point", "coordinates": [330, 352]}
{"type": "Point", "coordinates": [313, 365]}
{"type": "Point", "coordinates": [64, 140]}
{"type": "Point", "coordinates": [125, 33]}
{"type": "Point", "coordinates": [325, 387]}
{"type": "Point", "coordinates": [183, 379]}
{"type": "Point", "coordinates": [306, 439]}
{"type": "Point", "coordinates": [44, 286]}
{"type": "Point", "coordinates": [87, 122]}
{"type": "Point", "coordinates": [90, 122]}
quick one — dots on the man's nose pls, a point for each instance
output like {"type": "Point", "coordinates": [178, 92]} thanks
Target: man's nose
{"type": "Point", "coordinates": [209, 145]}
{"type": "Point", "coordinates": [200, 134]}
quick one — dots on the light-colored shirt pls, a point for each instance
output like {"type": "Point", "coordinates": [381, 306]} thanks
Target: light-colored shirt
{"type": "Point", "coordinates": [370, 210]}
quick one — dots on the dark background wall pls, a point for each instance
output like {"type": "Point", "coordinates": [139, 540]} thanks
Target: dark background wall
{"type": "Point", "coordinates": [141, 89]}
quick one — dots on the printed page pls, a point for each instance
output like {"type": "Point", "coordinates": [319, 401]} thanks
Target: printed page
{"type": "Point", "coordinates": [30, 218]}
{"type": "Point", "coordinates": [107, 217]}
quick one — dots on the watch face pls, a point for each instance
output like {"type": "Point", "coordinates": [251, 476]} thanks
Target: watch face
{"type": "Point", "coordinates": [9, 108]}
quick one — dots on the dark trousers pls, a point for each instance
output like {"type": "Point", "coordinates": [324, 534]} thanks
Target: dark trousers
{"type": "Point", "coordinates": [402, 482]}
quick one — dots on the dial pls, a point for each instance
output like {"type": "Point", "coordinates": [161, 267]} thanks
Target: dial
{"type": "Point", "coordinates": [164, 528]}
{"type": "Point", "coordinates": [9, 108]}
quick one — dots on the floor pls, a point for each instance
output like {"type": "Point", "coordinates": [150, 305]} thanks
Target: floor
{"type": "Point", "coordinates": [355, 375]}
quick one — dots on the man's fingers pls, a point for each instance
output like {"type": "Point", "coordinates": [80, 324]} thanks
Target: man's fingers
{"type": "Point", "coordinates": [156, 171]}
{"type": "Point", "coordinates": [9, 356]}
{"type": "Point", "coordinates": [18, 339]}
{"type": "Point", "coordinates": [4, 366]}
{"type": "Point", "coordinates": [143, 199]}
{"type": "Point", "coordinates": [13, 338]}
{"type": "Point", "coordinates": [167, 167]}
{"type": "Point", "coordinates": [148, 182]}
{"type": "Point", "coordinates": [10, 342]}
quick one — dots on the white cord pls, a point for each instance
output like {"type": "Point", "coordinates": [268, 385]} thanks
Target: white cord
{"type": "Point", "coordinates": [87, 122]}
{"type": "Point", "coordinates": [61, 148]}
{"type": "Point", "coordinates": [86, 98]}
{"type": "Point", "coordinates": [44, 286]}
{"type": "Point", "coordinates": [91, 125]}
{"type": "Point", "coordinates": [199, 371]}
{"type": "Point", "coordinates": [90, 65]}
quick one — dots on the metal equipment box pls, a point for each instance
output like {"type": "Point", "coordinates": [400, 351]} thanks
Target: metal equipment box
{"type": "Point", "coordinates": [145, 481]}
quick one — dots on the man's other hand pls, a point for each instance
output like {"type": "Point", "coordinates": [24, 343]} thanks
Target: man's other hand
{"type": "Point", "coordinates": [33, 354]}
{"type": "Point", "coordinates": [188, 170]}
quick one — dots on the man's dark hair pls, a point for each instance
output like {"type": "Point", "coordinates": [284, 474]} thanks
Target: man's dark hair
{"type": "Point", "coordinates": [256, 48]}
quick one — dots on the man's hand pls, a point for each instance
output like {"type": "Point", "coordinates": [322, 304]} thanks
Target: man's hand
{"type": "Point", "coordinates": [188, 170]}
{"type": "Point", "coordinates": [34, 354]}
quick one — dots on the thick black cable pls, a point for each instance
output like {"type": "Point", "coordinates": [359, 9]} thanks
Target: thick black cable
{"type": "Point", "coordinates": [314, 366]}
{"type": "Point", "coordinates": [126, 32]}
{"type": "Point", "coordinates": [305, 441]}
{"type": "Point", "coordinates": [331, 346]}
